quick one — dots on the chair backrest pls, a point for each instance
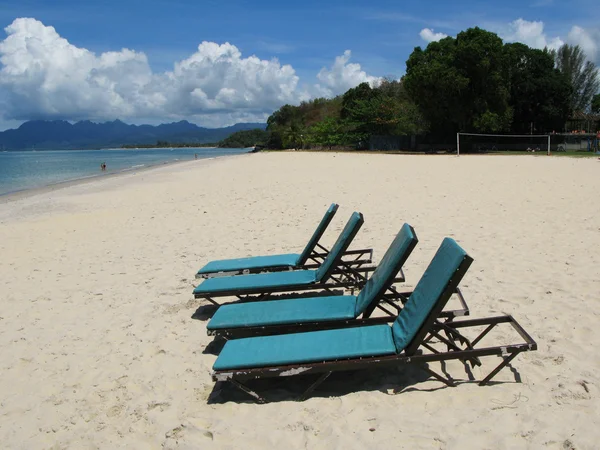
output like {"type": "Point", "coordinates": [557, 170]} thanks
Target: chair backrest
{"type": "Point", "coordinates": [318, 234]}
{"type": "Point", "coordinates": [383, 276]}
{"type": "Point", "coordinates": [429, 297]}
{"type": "Point", "coordinates": [341, 245]}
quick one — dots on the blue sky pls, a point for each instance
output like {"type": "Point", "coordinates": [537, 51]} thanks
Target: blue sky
{"type": "Point", "coordinates": [52, 79]}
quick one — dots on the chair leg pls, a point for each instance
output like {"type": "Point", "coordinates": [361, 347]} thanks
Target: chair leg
{"type": "Point", "coordinates": [313, 386]}
{"type": "Point", "coordinates": [248, 391]}
{"type": "Point", "coordinates": [501, 366]}
{"type": "Point", "coordinates": [212, 301]}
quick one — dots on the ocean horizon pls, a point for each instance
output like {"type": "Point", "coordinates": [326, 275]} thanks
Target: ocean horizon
{"type": "Point", "coordinates": [32, 169]}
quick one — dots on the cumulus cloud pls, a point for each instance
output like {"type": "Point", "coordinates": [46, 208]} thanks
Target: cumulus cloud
{"type": "Point", "coordinates": [43, 76]}
{"type": "Point", "coordinates": [428, 35]}
{"type": "Point", "coordinates": [216, 78]}
{"type": "Point", "coordinates": [342, 76]}
{"type": "Point", "coordinates": [530, 33]}
{"type": "Point", "coordinates": [588, 40]}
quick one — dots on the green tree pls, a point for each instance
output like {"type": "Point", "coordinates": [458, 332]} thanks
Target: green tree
{"type": "Point", "coordinates": [290, 126]}
{"type": "Point", "coordinates": [458, 83]}
{"type": "Point", "coordinates": [539, 93]}
{"type": "Point", "coordinates": [278, 125]}
{"type": "Point", "coordinates": [383, 110]}
{"type": "Point", "coordinates": [282, 116]}
{"type": "Point", "coordinates": [293, 136]}
{"type": "Point", "coordinates": [245, 138]}
{"type": "Point", "coordinates": [362, 92]}
{"type": "Point", "coordinates": [328, 132]}
{"type": "Point", "coordinates": [582, 75]}
{"type": "Point", "coordinates": [383, 115]}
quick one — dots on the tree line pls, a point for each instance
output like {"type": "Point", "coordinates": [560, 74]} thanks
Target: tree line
{"type": "Point", "coordinates": [473, 82]}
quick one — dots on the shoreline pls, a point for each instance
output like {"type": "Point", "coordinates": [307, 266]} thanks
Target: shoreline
{"type": "Point", "coordinates": [30, 192]}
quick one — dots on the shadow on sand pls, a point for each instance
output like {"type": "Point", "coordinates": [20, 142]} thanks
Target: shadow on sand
{"type": "Point", "coordinates": [391, 381]}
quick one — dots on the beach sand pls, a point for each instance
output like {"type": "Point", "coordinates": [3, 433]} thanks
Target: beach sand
{"type": "Point", "coordinates": [99, 348]}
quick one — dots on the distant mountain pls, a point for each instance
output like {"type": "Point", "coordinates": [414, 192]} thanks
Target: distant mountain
{"type": "Point", "coordinates": [59, 134]}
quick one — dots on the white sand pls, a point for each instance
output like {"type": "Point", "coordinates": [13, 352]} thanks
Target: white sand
{"type": "Point", "coordinates": [98, 347]}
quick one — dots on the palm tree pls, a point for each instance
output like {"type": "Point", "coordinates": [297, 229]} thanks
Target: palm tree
{"type": "Point", "coordinates": [294, 135]}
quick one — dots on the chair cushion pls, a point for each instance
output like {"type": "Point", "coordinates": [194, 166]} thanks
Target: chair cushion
{"type": "Point", "coordinates": [340, 246]}
{"type": "Point", "coordinates": [388, 268]}
{"type": "Point", "coordinates": [256, 282]}
{"type": "Point", "coordinates": [312, 347]}
{"type": "Point", "coordinates": [318, 234]}
{"type": "Point", "coordinates": [253, 262]}
{"type": "Point", "coordinates": [279, 312]}
{"type": "Point", "coordinates": [428, 292]}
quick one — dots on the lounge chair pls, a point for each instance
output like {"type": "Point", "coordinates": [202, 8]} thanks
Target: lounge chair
{"type": "Point", "coordinates": [412, 338]}
{"type": "Point", "coordinates": [319, 313]}
{"type": "Point", "coordinates": [333, 273]}
{"type": "Point", "coordinates": [311, 257]}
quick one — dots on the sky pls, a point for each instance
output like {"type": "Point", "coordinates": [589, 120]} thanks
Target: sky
{"type": "Point", "coordinates": [216, 63]}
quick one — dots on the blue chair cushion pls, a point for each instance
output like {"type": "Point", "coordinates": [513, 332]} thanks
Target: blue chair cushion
{"type": "Point", "coordinates": [256, 282]}
{"type": "Point", "coordinates": [340, 246]}
{"type": "Point", "coordinates": [253, 262]}
{"type": "Point", "coordinates": [312, 347]}
{"type": "Point", "coordinates": [388, 268]}
{"type": "Point", "coordinates": [280, 312]}
{"type": "Point", "coordinates": [428, 292]}
{"type": "Point", "coordinates": [318, 234]}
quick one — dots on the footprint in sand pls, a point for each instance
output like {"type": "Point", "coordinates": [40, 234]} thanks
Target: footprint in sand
{"type": "Point", "coordinates": [187, 436]}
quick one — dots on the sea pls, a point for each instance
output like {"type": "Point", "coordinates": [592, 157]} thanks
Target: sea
{"type": "Point", "coordinates": [23, 170]}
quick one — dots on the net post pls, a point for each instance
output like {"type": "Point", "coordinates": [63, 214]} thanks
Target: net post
{"type": "Point", "coordinates": [548, 145]}
{"type": "Point", "coordinates": [457, 144]}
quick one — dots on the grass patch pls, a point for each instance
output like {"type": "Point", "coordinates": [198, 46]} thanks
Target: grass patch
{"type": "Point", "coordinates": [413, 152]}
{"type": "Point", "coordinates": [543, 153]}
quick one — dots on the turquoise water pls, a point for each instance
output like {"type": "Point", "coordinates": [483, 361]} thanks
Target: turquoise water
{"type": "Point", "coordinates": [33, 169]}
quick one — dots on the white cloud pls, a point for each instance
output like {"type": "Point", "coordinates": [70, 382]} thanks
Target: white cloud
{"type": "Point", "coordinates": [530, 33]}
{"type": "Point", "coordinates": [342, 76]}
{"type": "Point", "coordinates": [216, 78]}
{"type": "Point", "coordinates": [42, 75]}
{"type": "Point", "coordinates": [588, 40]}
{"type": "Point", "coordinates": [428, 35]}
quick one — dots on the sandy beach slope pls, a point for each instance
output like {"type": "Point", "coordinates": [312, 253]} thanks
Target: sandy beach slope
{"type": "Point", "coordinates": [99, 350]}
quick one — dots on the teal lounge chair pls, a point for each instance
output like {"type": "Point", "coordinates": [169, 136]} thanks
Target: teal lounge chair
{"type": "Point", "coordinates": [311, 257]}
{"type": "Point", "coordinates": [319, 313]}
{"type": "Point", "coordinates": [414, 337]}
{"type": "Point", "coordinates": [331, 274]}
{"type": "Point", "coordinates": [300, 314]}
